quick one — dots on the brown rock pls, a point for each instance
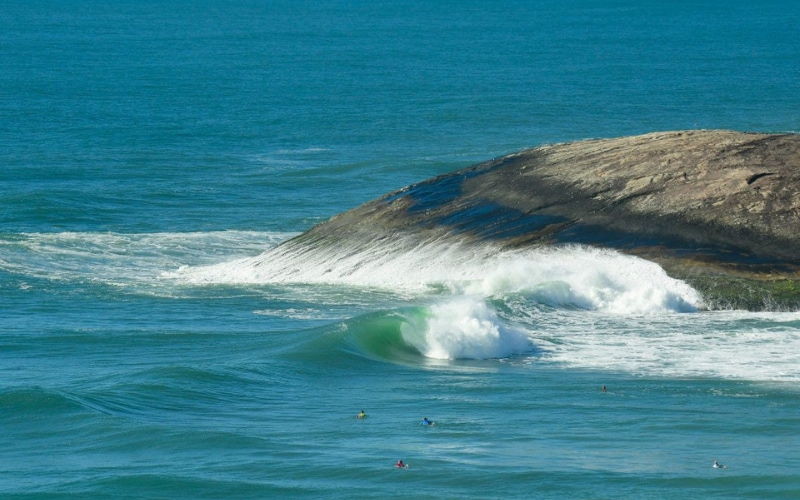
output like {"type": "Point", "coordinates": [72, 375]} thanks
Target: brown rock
{"type": "Point", "coordinates": [701, 203]}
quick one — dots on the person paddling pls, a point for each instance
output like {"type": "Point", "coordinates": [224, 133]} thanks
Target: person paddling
{"type": "Point", "coordinates": [401, 465]}
{"type": "Point", "coordinates": [425, 421]}
{"type": "Point", "coordinates": [361, 415]}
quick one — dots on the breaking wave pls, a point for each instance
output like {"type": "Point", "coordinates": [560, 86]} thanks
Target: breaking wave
{"type": "Point", "coordinates": [572, 276]}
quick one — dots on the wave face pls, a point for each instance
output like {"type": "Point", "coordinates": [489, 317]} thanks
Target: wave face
{"type": "Point", "coordinates": [570, 306]}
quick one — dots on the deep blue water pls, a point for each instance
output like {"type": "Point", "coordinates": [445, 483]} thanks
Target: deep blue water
{"type": "Point", "coordinates": [152, 152]}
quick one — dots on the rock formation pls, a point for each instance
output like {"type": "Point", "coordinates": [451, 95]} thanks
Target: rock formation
{"type": "Point", "coordinates": [718, 208]}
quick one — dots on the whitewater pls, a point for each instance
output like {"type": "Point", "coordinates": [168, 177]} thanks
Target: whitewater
{"type": "Point", "coordinates": [573, 306]}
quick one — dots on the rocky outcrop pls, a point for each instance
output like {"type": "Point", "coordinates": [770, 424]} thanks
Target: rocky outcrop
{"type": "Point", "coordinates": [719, 208]}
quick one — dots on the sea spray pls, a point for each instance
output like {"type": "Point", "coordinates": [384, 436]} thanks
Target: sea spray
{"type": "Point", "coordinates": [402, 263]}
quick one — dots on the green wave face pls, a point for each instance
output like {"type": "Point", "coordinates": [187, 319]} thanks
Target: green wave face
{"type": "Point", "coordinates": [454, 330]}
{"type": "Point", "coordinates": [383, 335]}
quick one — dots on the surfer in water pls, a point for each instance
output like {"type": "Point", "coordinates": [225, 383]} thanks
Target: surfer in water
{"type": "Point", "coordinates": [718, 465]}
{"type": "Point", "coordinates": [401, 465]}
{"type": "Point", "coordinates": [361, 415]}
{"type": "Point", "coordinates": [425, 421]}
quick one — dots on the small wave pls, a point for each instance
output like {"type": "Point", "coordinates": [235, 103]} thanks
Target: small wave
{"type": "Point", "coordinates": [287, 160]}
{"type": "Point", "coordinates": [728, 345]}
{"type": "Point", "coordinates": [38, 401]}
{"type": "Point", "coordinates": [374, 336]}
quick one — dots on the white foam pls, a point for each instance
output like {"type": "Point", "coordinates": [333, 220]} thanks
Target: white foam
{"type": "Point", "coordinates": [590, 278]}
{"type": "Point", "coordinates": [464, 328]}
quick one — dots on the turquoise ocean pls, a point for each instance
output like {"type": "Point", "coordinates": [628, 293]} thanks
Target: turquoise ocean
{"type": "Point", "coordinates": [153, 153]}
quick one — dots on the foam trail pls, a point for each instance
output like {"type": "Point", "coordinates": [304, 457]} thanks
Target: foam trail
{"type": "Point", "coordinates": [122, 258]}
{"type": "Point", "coordinates": [724, 344]}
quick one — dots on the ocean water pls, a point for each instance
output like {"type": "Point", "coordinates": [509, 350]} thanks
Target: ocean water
{"type": "Point", "coordinates": [153, 345]}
